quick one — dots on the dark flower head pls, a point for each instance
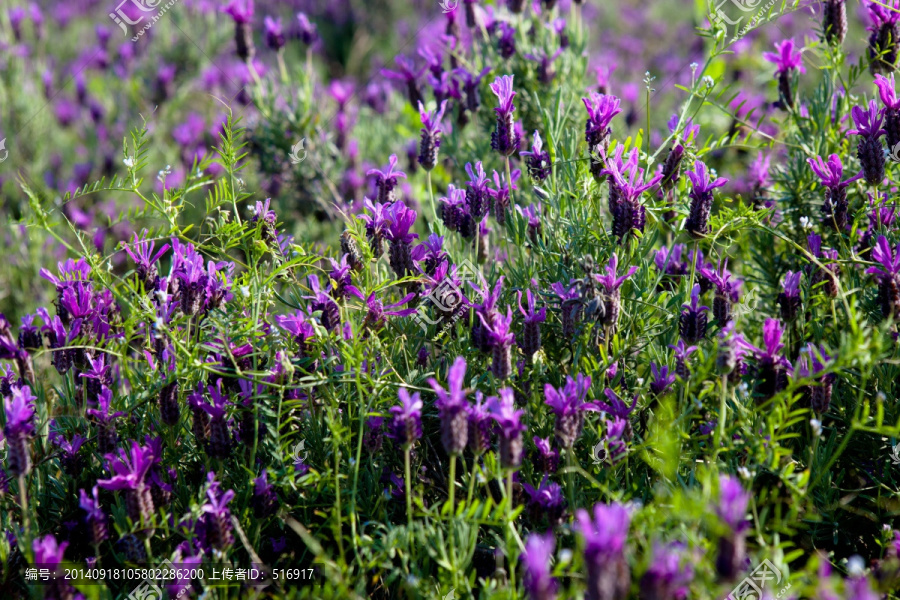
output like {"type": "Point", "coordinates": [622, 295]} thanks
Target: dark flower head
{"type": "Point", "coordinates": [19, 413]}
{"type": "Point", "coordinates": [503, 411]}
{"type": "Point", "coordinates": [274, 33]}
{"type": "Point", "coordinates": [669, 575]}
{"type": "Point", "coordinates": [616, 406]}
{"type": "Point", "coordinates": [887, 91]}
{"type": "Point", "coordinates": [102, 413]}
{"type": "Point", "coordinates": [662, 379]}
{"type": "Point", "coordinates": [570, 398]}
{"type": "Point", "coordinates": [240, 10]}
{"type": "Point", "coordinates": [831, 172]}
{"type": "Point", "coordinates": [610, 281]}
{"type": "Point", "coordinates": [386, 180]}
{"type": "Point", "coordinates": [406, 425]}
{"type": "Point", "coordinates": [883, 12]}
{"type": "Point", "coordinates": [400, 219]}
{"type": "Point", "coordinates": [701, 180]}
{"type": "Point", "coordinates": [605, 534]}
{"type": "Point", "coordinates": [887, 259]}
{"type": "Point", "coordinates": [601, 109]}
{"type": "Point", "coordinates": [129, 468]}
{"type": "Point", "coordinates": [48, 553]}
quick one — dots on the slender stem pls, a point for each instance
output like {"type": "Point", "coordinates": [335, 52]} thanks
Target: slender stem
{"type": "Point", "coordinates": [511, 558]}
{"type": "Point", "coordinates": [570, 484]}
{"type": "Point", "coordinates": [452, 483]}
{"type": "Point", "coordinates": [472, 476]}
{"type": "Point", "coordinates": [406, 449]}
{"type": "Point", "coordinates": [723, 407]}
{"type": "Point", "coordinates": [23, 502]}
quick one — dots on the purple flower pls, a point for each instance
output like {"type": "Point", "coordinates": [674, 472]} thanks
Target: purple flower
{"type": "Point", "coordinates": [240, 10]}
{"type": "Point", "coordinates": [662, 379]}
{"type": "Point", "coordinates": [608, 576]}
{"type": "Point", "coordinates": [506, 40]}
{"type": "Point", "coordinates": [452, 408]}
{"type": "Point", "coordinates": [431, 135]}
{"type": "Point", "coordinates": [692, 323]}
{"type": "Point", "coordinates": [48, 553]}
{"type": "Point", "coordinates": [377, 313]}
{"type": "Point", "coordinates": [625, 190]}
{"type": "Point", "coordinates": [532, 216]}
{"type": "Point", "coordinates": [789, 298]}
{"type": "Point", "coordinates": [727, 290]}
{"type": "Point", "coordinates": [501, 340]}
{"type": "Point", "coordinates": [669, 575]}
{"type": "Point", "coordinates": [130, 469]}
{"type": "Point", "coordinates": [568, 404]}
{"type": "Point", "coordinates": [406, 425]}
{"type": "Point", "coordinates": [883, 41]}
{"type": "Point", "coordinates": [539, 583]}
{"type": "Point", "coordinates": [682, 353]}
{"type": "Point", "coordinates": [19, 428]}
{"type": "Point", "coordinates": [545, 72]}
{"type": "Point", "coordinates": [376, 225]}
{"type": "Point", "coordinates": [616, 407]}
{"type": "Point", "coordinates": [323, 303]}
{"type": "Point", "coordinates": [477, 191]}
{"type": "Point", "coordinates": [611, 284]}
{"type": "Point", "coordinates": [299, 327]}
{"type": "Point", "coordinates": [548, 458]}
{"type": "Point", "coordinates": [601, 109]}
{"type": "Point", "coordinates": [869, 149]}
{"type": "Point", "coordinates": [733, 501]}
{"type": "Point", "coordinates": [264, 500]}
{"type": "Point", "coordinates": [886, 274]}
{"type": "Point", "coordinates": [510, 427]}
{"type": "Point", "coordinates": [141, 252]}
{"type": "Point", "coordinates": [400, 220]}
{"type": "Point", "coordinates": [537, 159]}
{"type": "Point", "coordinates": [546, 502]}
{"type": "Point", "coordinates": [306, 31]}
{"type": "Point", "coordinates": [772, 367]}
{"type": "Point", "coordinates": [274, 33]}
{"type": "Point", "coordinates": [96, 519]}
{"type": "Point", "coordinates": [470, 82]}
{"type": "Point", "coordinates": [732, 350]}
{"type": "Point", "coordinates": [835, 206]}
{"type": "Point", "coordinates": [341, 277]}
{"type": "Point", "coordinates": [505, 139]}
{"type": "Point", "coordinates": [216, 517]}
{"type": "Point", "coordinates": [531, 342]}
{"type": "Point", "coordinates": [701, 198]}
{"type": "Point", "coordinates": [785, 58]}
{"type": "Point", "coordinates": [887, 91]}
{"type": "Point", "coordinates": [409, 75]}
{"type": "Point", "coordinates": [479, 423]}
{"type": "Point", "coordinates": [386, 181]}
{"type": "Point", "coordinates": [501, 195]}
{"type": "Point", "coordinates": [432, 252]}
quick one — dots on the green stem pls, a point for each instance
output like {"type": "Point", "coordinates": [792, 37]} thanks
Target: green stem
{"type": "Point", "coordinates": [472, 476]}
{"type": "Point", "coordinates": [406, 471]}
{"type": "Point", "coordinates": [23, 502]}
{"type": "Point", "coordinates": [511, 558]}
{"type": "Point", "coordinates": [723, 407]}
{"type": "Point", "coordinates": [451, 490]}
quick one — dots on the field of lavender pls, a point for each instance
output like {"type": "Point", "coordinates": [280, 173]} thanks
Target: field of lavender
{"type": "Point", "coordinates": [450, 299]}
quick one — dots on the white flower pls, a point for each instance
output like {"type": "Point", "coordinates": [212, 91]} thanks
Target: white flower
{"type": "Point", "coordinates": [708, 81]}
{"type": "Point", "coordinates": [856, 566]}
{"type": "Point", "coordinates": [744, 472]}
{"type": "Point", "coordinates": [804, 222]}
{"type": "Point", "coordinates": [129, 162]}
{"type": "Point", "coordinates": [816, 426]}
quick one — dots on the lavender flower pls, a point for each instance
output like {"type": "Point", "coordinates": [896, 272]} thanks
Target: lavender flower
{"type": "Point", "coordinates": [216, 518]}
{"type": "Point", "coordinates": [95, 519]}
{"type": "Point", "coordinates": [431, 251]}
{"type": "Point", "coordinates": [105, 421]}
{"type": "Point", "coordinates": [477, 191]}
{"type": "Point", "coordinates": [532, 216]}
{"type": "Point", "coordinates": [891, 111]}
{"type": "Point", "coordinates": [479, 425]}
{"type": "Point", "coordinates": [608, 576]}
{"type": "Point", "coordinates": [323, 303]}
{"type": "Point", "coordinates": [306, 31]}
{"type": "Point", "coordinates": [668, 576]}
{"type": "Point", "coordinates": [274, 33]}
{"type": "Point", "coordinates": [350, 249]}
{"type": "Point", "coordinates": [547, 457]}
{"type": "Point", "coordinates": [835, 205]}
{"type": "Point", "coordinates": [682, 353]}
{"type": "Point", "coordinates": [19, 429]}
{"type": "Point", "coordinates": [727, 291]}
{"type": "Point", "coordinates": [601, 109]}
{"type": "Point", "coordinates": [834, 21]}
{"type": "Point", "coordinates": [539, 584]}
{"type": "Point", "coordinates": [789, 298]}
{"type": "Point", "coordinates": [130, 470]}
{"type": "Point", "coordinates": [612, 288]}
{"type": "Point", "coordinates": [546, 503]}
{"type": "Point", "coordinates": [885, 35]}
{"type": "Point", "coordinates": [378, 312]}
{"type": "Point", "coordinates": [409, 75]}
{"type": "Point", "coordinates": [671, 171]}
{"type": "Point", "coordinates": [662, 379]}
{"type": "Point", "coordinates": [825, 277]}
{"type": "Point", "coordinates": [692, 323]}
{"type": "Point", "coordinates": [787, 62]}
{"type": "Point", "coordinates": [431, 136]}
{"type": "Point", "coordinates": [501, 195]}
{"type": "Point", "coordinates": [568, 404]}
{"type": "Point", "coordinates": [141, 252]}
{"type": "Point", "coordinates": [732, 510]}
{"type": "Point", "coordinates": [300, 328]}
{"type": "Point", "coordinates": [506, 40]}
{"type": "Point", "coordinates": [386, 182]}
{"type": "Point", "coordinates": [485, 312]}
{"type": "Point", "coordinates": [400, 220]}
{"type": "Point", "coordinates": [811, 363]}
{"type": "Point", "coordinates": [406, 425]}
{"type": "Point", "coordinates": [241, 12]}
{"type": "Point", "coordinates": [617, 409]}
{"type": "Point", "coordinates": [869, 149]}
{"type": "Point", "coordinates": [887, 274]}
{"type": "Point", "coordinates": [264, 500]}
{"type": "Point", "coordinates": [505, 139]}
{"type": "Point", "coordinates": [537, 159]}
{"type": "Point", "coordinates": [625, 192]}
{"type": "Point", "coordinates": [453, 408]}
{"type": "Point", "coordinates": [376, 225]}
{"type": "Point", "coordinates": [219, 442]}
{"type": "Point", "coordinates": [501, 341]}
{"type": "Point", "coordinates": [48, 554]}
{"type": "Point", "coordinates": [772, 367]}
{"type": "Point", "coordinates": [531, 342]}
{"type": "Point", "coordinates": [701, 194]}
{"type": "Point", "coordinates": [570, 307]}
{"type": "Point", "coordinates": [510, 427]}
{"type": "Point", "coordinates": [732, 350]}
